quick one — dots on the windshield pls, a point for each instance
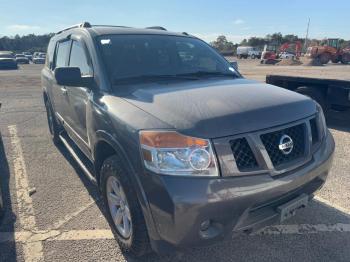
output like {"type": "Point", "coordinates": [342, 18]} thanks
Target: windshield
{"type": "Point", "coordinates": [135, 56]}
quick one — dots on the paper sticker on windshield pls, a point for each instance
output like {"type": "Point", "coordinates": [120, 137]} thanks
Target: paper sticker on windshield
{"type": "Point", "coordinates": [105, 41]}
{"type": "Point", "coordinates": [231, 69]}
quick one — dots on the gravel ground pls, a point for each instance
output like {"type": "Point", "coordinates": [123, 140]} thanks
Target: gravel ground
{"type": "Point", "coordinates": [65, 201]}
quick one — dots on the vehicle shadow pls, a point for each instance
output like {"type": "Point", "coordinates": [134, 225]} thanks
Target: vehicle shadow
{"type": "Point", "coordinates": [8, 250]}
{"type": "Point", "coordinates": [91, 188]}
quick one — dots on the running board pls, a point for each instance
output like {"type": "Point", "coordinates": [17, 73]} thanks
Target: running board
{"type": "Point", "coordinates": [74, 154]}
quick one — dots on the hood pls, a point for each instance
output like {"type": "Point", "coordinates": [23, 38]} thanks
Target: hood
{"type": "Point", "coordinates": [217, 108]}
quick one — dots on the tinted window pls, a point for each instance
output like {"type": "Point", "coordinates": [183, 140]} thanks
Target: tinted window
{"type": "Point", "coordinates": [50, 53]}
{"type": "Point", "coordinates": [140, 55]}
{"type": "Point", "coordinates": [78, 58]}
{"type": "Point", "coordinates": [62, 53]}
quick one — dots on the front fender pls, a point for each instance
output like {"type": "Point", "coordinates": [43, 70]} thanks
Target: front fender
{"type": "Point", "coordinates": [104, 136]}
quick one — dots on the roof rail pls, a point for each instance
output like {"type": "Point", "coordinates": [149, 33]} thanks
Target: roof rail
{"type": "Point", "coordinates": [156, 28]}
{"type": "Point", "coordinates": [185, 33]}
{"type": "Point", "coordinates": [83, 25]}
{"type": "Point", "coordinates": [121, 26]}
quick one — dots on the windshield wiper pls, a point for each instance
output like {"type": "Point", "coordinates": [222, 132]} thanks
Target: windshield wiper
{"type": "Point", "coordinates": [208, 73]}
{"type": "Point", "coordinates": [151, 77]}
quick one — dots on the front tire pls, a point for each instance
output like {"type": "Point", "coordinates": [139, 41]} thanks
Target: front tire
{"type": "Point", "coordinates": [52, 122]}
{"type": "Point", "coordinates": [123, 209]}
{"type": "Point", "coordinates": [345, 59]}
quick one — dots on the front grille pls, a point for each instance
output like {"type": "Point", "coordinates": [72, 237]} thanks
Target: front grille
{"type": "Point", "coordinates": [245, 159]}
{"type": "Point", "coordinates": [314, 131]}
{"type": "Point", "coordinates": [271, 142]}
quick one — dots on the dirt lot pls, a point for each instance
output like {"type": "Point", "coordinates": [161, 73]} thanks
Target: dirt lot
{"type": "Point", "coordinates": [63, 218]}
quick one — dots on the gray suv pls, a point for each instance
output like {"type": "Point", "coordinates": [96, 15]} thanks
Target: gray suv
{"type": "Point", "coordinates": [185, 151]}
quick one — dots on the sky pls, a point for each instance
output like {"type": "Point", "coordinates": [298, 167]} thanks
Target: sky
{"type": "Point", "coordinates": [237, 19]}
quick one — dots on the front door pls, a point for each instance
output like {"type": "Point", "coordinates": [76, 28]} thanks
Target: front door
{"type": "Point", "coordinates": [79, 96]}
{"type": "Point", "coordinates": [60, 94]}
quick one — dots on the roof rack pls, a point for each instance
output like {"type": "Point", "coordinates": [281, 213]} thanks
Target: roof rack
{"type": "Point", "coordinates": [81, 25]}
{"type": "Point", "coordinates": [121, 26]}
{"type": "Point", "coordinates": [156, 28]}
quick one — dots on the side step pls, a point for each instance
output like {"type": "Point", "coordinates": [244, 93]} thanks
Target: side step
{"type": "Point", "coordinates": [76, 155]}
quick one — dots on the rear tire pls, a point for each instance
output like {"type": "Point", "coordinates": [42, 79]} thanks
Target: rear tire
{"type": "Point", "coordinates": [345, 59]}
{"type": "Point", "coordinates": [136, 243]}
{"type": "Point", "coordinates": [54, 127]}
{"type": "Point", "coordinates": [316, 94]}
{"type": "Point", "coordinates": [324, 58]}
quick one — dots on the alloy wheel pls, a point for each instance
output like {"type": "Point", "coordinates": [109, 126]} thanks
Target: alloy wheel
{"type": "Point", "coordinates": [118, 207]}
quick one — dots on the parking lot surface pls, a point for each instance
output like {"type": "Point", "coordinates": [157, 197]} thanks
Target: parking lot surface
{"type": "Point", "coordinates": [55, 214]}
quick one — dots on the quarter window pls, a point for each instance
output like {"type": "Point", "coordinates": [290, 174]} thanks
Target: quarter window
{"type": "Point", "coordinates": [62, 54]}
{"type": "Point", "coordinates": [78, 58]}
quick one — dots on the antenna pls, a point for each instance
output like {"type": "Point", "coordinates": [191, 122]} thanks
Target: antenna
{"type": "Point", "coordinates": [307, 34]}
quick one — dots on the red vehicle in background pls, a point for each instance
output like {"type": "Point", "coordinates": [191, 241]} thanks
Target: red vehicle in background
{"type": "Point", "coordinates": [331, 51]}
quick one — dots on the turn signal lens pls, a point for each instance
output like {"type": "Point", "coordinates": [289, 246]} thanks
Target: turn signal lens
{"type": "Point", "coordinates": [169, 139]}
{"type": "Point", "coordinates": [171, 153]}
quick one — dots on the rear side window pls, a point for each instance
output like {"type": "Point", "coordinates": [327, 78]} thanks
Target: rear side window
{"type": "Point", "coordinates": [78, 58]}
{"type": "Point", "coordinates": [50, 54]}
{"type": "Point", "coordinates": [62, 53]}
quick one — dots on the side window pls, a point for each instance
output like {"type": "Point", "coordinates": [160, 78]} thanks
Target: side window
{"type": "Point", "coordinates": [78, 58]}
{"type": "Point", "coordinates": [62, 53]}
{"type": "Point", "coordinates": [50, 54]}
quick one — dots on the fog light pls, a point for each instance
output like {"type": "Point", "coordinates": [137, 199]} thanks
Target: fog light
{"type": "Point", "coordinates": [205, 225]}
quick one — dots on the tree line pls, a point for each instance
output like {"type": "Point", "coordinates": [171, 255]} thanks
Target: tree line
{"type": "Point", "coordinates": [27, 43]}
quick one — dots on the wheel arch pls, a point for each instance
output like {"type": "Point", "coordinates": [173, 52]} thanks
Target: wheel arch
{"type": "Point", "coordinates": [105, 146]}
{"type": "Point", "coordinates": [105, 141]}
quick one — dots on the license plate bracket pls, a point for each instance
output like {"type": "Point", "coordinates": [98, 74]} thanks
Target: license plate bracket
{"type": "Point", "coordinates": [289, 209]}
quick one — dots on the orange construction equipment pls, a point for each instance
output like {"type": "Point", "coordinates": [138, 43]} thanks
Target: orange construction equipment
{"type": "Point", "coordinates": [288, 45]}
{"type": "Point", "coordinates": [269, 55]}
{"type": "Point", "coordinates": [329, 52]}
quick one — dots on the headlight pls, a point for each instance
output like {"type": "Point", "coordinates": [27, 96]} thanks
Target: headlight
{"type": "Point", "coordinates": [321, 121]}
{"type": "Point", "coordinates": [170, 153]}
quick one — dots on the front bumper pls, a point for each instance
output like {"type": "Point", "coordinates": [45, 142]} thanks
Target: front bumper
{"type": "Point", "coordinates": [180, 204]}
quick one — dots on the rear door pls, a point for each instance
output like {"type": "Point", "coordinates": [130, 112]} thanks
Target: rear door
{"type": "Point", "coordinates": [59, 93]}
{"type": "Point", "coordinates": [79, 96]}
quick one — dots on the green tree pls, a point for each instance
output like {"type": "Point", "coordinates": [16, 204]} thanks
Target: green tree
{"type": "Point", "coordinates": [222, 44]}
{"type": "Point", "coordinates": [31, 43]}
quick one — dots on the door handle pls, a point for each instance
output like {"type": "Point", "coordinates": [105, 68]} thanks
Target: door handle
{"type": "Point", "coordinates": [64, 90]}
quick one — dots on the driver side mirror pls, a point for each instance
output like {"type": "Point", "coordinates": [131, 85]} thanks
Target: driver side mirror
{"type": "Point", "coordinates": [71, 76]}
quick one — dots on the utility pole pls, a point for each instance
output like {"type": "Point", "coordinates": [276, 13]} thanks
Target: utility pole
{"type": "Point", "coordinates": [307, 34]}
